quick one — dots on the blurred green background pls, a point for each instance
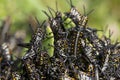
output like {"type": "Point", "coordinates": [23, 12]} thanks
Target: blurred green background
{"type": "Point", "coordinates": [106, 13]}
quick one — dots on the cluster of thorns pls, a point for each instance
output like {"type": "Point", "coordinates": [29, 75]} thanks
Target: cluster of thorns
{"type": "Point", "coordinates": [64, 47]}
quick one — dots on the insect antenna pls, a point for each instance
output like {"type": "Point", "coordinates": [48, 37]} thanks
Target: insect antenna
{"type": "Point", "coordinates": [46, 14]}
{"type": "Point", "coordinates": [25, 45]}
{"type": "Point", "coordinates": [37, 21]}
{"type": "Point", "coordinates": [43, 23]}
{"type": "Point", "coordinates": [84, 10]}
{"type": "Point", "coordinates": [33, 23]}
{"type": "Point", "coordinates": [87, 58]}
{"type": "Point", "coordinates": [110, 34]}
{"type": "Point", "coordinates": [55, 12]}
{"type": "Point", "coordinates": [90, 12]}
{"type": "Point", "coordinates": [70, 3]}
{"type": "Point", "coordinates": [18, 59]}
{"type": "Point", "coordinates": [85, 18]}
{"type": "Point", "coordinates": [49, 9]}
{"type": "Point", "coordinates": [52, 9]}
{"type": "Point", "coordinates": [56, 6]}
{"type": "Point", "coordinates": [86, 14]}
{"type": "Point", "coordinates": [44, 27]}
{"type": "Point", "coordinates": [105, 29]}
{"type": "Point", "coordinates": [31, 28]}
{"type": "Point", "coordinates": [95, 30]}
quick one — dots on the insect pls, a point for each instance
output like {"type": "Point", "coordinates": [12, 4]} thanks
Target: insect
{"type": "Point", "coordinates": [40, 39]}
{"type": "Point", "coordinates": [35, 43]}
{"type": "Point", "coordinates": [37, 38]}
{"type": "Point", "coordinates": [105, 65]}
{"type": "Point", "coordinates": [42, 58]}
{"type": "Point", "coordinates": [76, 17]}
{"type": "Point", "coordinates": [31, 70]}
{"type": "Point", "coordinates": [48, 40]}
{"type": "Point", "coordinates": [62, 48]}
{"type": "Point", "coordinates": [75, 41]}
{"type": "Point", "coordinates": [66, 76]}
{"type": "Point", "coordinates": [60, 21]}
{"type": "Point", "coordinates": [118, 71]}
{"type": "Point", "coordinates": [5, 72]}
{"type": "Point", "coordinates": [74, 14]}
{"type": "Point", "coordinates": [5, 51]}
{"type": "Point", "coordinates": [56, 69]}
{"type": "Point", "coordinates": [85, 76]}
{"type": "Point", "coordinates": [16, 76]}
{"type": "Point", "coordinates": [93, 43]}
{"type": "Point", "coordinates": [59, 24]}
